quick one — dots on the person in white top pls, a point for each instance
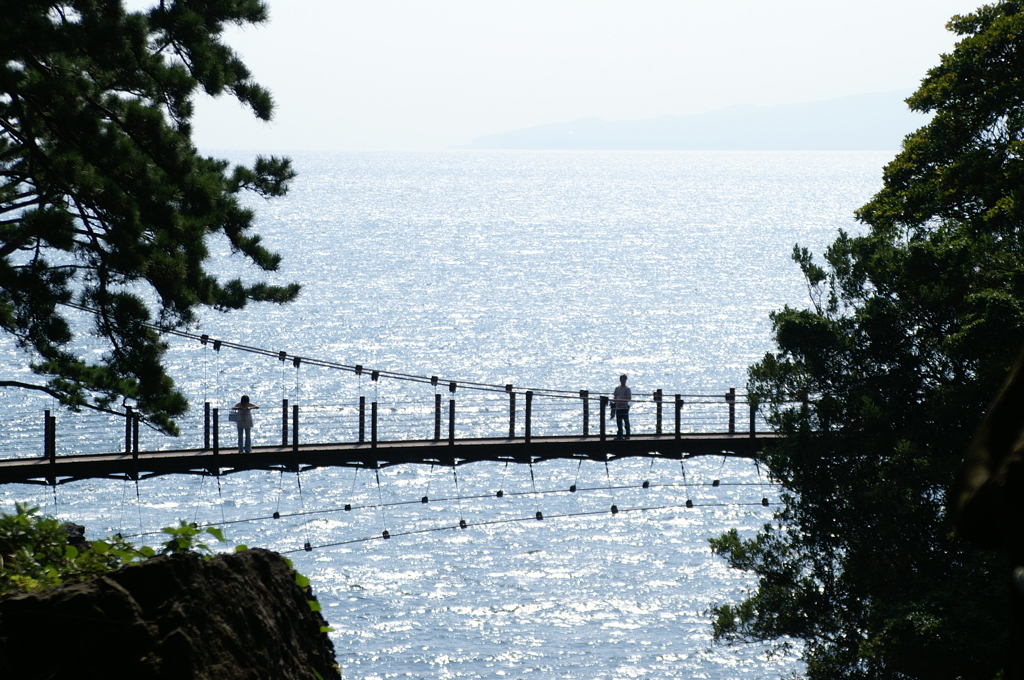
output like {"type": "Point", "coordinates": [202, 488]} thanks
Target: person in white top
{"type": "Point", "coordinates": [620, 402]}
{"type": "Point", "coordinates": [244, 409]}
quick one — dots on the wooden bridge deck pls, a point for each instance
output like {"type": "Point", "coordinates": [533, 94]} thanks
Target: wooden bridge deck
{"type": "Point", "coordinates": [146, 464]}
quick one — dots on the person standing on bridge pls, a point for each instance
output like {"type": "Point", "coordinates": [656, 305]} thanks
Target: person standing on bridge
{"type": "Point", "coordinates": [243, 411]}
{"type": "Point", "coordinates": [620, 403]}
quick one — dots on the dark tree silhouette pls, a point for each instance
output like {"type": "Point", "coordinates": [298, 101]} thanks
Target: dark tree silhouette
{"type": "Point", "coordinates": [105, 203]}
{"type": "Point", "coordinates": [912, 328]}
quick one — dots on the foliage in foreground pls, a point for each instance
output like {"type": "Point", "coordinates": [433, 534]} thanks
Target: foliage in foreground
{"type": "Point", "coordinates": [913, 327]}
{"type": "Point", "coordinates": [35, 552]}
{"type": "Point", "coordinates": [105, 203]}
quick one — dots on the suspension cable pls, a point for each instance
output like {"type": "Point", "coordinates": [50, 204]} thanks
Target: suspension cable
{"type": "Point", "coordinates": [383, 373]}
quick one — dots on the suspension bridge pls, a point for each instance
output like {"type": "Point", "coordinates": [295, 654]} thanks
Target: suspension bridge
{"type": "Point", "coordinates": [472, 422]}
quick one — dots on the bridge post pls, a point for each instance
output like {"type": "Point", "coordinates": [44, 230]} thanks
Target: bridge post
{"type": "Point", "coordinates": [585, 396]}
{"type": "Point", "coordinates": [753, 413]}
{"type": "Point", "coordinates": [604, 409]}
{"type": "Point", "coordinates": [135, 445]}
{"type": "Point", "coordinates": [511, 411]}
{"type": "Point", "coordinates": [284, 422]}
{"type": "Point", "coordinates": [127, 429]}
{"type": "Point", "coordinates": [657, 410]}
{"type": "Point", "coordinates": [362, 419]}
{"type": "Point", "coordinates": [731, 398]}
{"type": "Point", "coordinates": [216, 431]}
{"type": "Point", "coordinates": [295, 427]}
{"type": "Point", "coordinates": [373, 425]}
{"type": "Point", "coordinates": [679, 414]}
{"type": "Point", "coordinates": [49, 451]}
{"type": "Point", "coordinates": [511, 415]}
{"type": "Point", "coordinates": [53, 438]}
{"type": "Point", "coordinates": [216, 441]}
{"type": "Point", "coordinates": [206, 426]}
{"type": "Point", "coordinates": [451, 422]}
{"type": "Point", "coordinates": [437, 416]}
{"type": "Point", "coordinates": [529, 414]}
{"type": "Point", "coordinates": [50, 444]}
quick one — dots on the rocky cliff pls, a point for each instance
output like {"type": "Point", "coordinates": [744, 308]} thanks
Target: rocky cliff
{"type": "Point", "coordinates": [177, 616]}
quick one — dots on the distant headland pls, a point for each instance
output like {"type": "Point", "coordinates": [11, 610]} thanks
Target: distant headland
{"type": "Point", "coordinates": [876, 121]}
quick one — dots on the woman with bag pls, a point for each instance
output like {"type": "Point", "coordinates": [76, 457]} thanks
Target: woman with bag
{"type": "Point", "coordinates": [243, 419]}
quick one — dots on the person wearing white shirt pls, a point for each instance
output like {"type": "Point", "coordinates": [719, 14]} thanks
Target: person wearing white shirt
{"type": "Point", "coordinates": [243, 418]}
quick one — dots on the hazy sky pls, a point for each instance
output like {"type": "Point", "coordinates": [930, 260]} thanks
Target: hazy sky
{"type": "Point", "coordinates": [402, 75]}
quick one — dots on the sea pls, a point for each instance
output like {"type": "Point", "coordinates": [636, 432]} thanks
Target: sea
{"type": "Point", "coordinates": [552, 270]}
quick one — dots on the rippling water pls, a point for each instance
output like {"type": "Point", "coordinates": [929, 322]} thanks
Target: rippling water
{"type": "Point", "coordinates": [549, 270]}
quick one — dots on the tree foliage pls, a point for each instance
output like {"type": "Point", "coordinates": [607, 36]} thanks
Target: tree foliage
{"type": "Point", "coordinates": [912, 328]}
{"type": "Point", "coordinates": [35, 553]}
{"type": "Point", "coordinates": [105, 203]}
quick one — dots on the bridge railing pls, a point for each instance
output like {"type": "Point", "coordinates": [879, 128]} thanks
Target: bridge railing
{"type": "Point", "coordinates": [459, 415]}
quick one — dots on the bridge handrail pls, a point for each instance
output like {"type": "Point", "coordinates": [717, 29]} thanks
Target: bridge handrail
{"type": "Point", "coordinates": [521, 415]}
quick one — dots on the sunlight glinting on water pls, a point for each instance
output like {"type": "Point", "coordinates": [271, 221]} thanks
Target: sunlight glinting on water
{"type": "Point", "coordinates": [541, 269]}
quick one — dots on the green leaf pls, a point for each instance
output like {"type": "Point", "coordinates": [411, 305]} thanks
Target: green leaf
{"type": "Point", "coordinates": [877, 383]}
{"type": "Point", "coordinates": [119, 163]}
{"type": "Point", "coordinates": [314, 606]}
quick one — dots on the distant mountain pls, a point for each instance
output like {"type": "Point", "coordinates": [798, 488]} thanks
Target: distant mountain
{"type": "Point", "coordinates": [877, 121]}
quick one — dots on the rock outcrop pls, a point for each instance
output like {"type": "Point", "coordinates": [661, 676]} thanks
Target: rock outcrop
{"type": "Point", "coordinates": [176, 616]}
